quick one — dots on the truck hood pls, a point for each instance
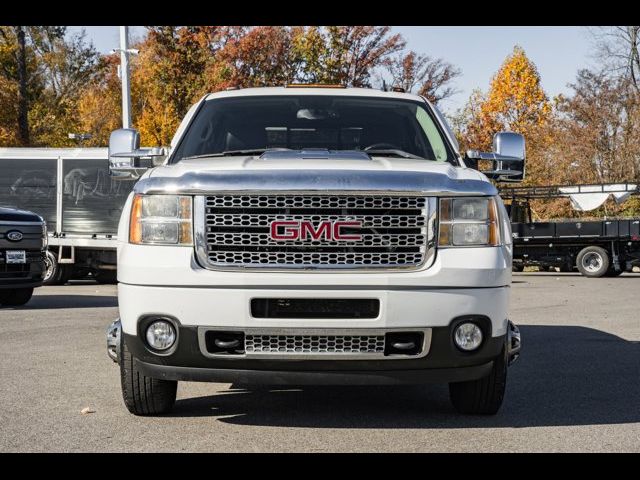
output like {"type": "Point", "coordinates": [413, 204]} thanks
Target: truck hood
{"type": "Point", "coordinates": [10, 214]}
{"type": "Point", "coordinates": [300, 171]}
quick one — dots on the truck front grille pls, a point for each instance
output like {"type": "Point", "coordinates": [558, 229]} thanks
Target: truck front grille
{"type": "Point", "coordinates": [395, 231]}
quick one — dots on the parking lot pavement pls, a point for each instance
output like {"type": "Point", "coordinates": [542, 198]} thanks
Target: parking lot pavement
{"type": "Point", "coordinates": [575, 388]}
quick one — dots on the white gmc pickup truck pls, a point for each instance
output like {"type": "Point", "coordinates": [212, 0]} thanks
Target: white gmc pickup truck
{"type": "Point", "coordinates": [314, 235]}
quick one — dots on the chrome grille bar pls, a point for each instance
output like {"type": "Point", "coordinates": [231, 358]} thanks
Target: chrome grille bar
{"type": "Point", "coordinates": [368, 240]}
{"type": "Point", "coordinates": [263, 220]}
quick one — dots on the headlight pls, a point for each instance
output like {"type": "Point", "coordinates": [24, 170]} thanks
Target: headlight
{"type": "Point", "coordinates": [161, 220]}
{"type": "Point", "coordinates": [467, 222]}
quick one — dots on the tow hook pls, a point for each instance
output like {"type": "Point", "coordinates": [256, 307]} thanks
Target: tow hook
{"type": "Point", "coordinates": [113, 341]}
{"type": "Point", "coordinates": [227, 345]}
{"type": "Point", "coordinates": [513, 343]}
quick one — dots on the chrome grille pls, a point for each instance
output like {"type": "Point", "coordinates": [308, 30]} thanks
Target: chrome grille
{"type": "Point", "coordinates": [396, 231]}
{"type": "Point", "coordinates": [314, 344]}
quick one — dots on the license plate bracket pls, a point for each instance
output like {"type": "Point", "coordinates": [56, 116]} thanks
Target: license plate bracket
{"type": "Point", "coordinates": [15, 256]}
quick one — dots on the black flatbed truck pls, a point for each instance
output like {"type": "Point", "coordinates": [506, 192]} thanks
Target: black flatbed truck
{"type": "Point", "coordinates": [596, 248]}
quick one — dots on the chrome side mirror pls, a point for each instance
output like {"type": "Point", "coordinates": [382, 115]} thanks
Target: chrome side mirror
{"type": "Point", "coordinates": [127, 161]}
{"type": "Point", "coordinates": [508, 157]}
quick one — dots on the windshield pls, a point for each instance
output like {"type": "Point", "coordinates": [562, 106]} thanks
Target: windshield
{"type": "Point", "coordinates": [253, 124]}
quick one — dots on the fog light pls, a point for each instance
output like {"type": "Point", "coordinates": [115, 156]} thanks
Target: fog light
{"type": "Point", "coordinates": [161, 335]}
{"type": "Point", "coordinates": [468, 336]}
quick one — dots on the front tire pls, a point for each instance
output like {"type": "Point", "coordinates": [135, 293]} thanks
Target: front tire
{"type": "Point", "coordinates": [15, 297]}
{"type": "Point", "coordinates": [144, 395]}
{"type": "Point", "coordinates": [483, 396]}
{"type": "Point", "coordinates": [55, 274]}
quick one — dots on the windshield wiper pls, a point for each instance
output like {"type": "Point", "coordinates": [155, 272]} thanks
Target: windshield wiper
{"type": "Point", "coordinates": [395, 152]}
{"type": "Point", "coordinates": [253, 151]}
{"type": "Point", "coordinates": [260, 151]}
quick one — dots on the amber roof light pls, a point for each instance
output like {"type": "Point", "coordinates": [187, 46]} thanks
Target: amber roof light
{"type": "Point", "coordinates": [314, 85]}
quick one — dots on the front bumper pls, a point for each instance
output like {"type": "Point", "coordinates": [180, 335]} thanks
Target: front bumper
{"type": "Point", "coordinates": [443, 362]}
{"type": "Point", "coordinates": [315, 377]}
{"type": "Point", "coordinates": [26, 275]}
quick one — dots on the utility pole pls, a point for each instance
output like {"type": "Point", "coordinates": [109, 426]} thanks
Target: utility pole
{"type": "Point", "coordinates": [124, 71]}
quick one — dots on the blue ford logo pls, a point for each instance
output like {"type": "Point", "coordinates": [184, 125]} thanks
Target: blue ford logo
{"type": "Point", "coordinates": [14, 235]}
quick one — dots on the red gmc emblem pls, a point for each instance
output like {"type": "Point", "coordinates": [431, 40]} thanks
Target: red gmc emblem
{"type": "Point", "coordinates": [286, 230]}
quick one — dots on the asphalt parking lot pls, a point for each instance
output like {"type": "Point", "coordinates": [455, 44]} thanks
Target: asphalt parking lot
{"type": "Point", "coordinates": [575, 388]}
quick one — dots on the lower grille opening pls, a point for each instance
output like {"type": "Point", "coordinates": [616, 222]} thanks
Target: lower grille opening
{"type": "Point", "coordinates": [220, 343]}
{"type": "Point", "coordinates": [347, 308]}
{"type": "Point", "coordinates": [315, 343]}
{"type": "Point", "coordinates": [18, 270]}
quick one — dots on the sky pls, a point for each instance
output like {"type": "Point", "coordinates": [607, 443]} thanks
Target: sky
{"type": "Point", "coordinates": [558, 52]}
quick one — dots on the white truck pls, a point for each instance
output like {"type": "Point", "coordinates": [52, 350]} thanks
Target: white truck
{"type": "Point", "coordinates": [313, 235]}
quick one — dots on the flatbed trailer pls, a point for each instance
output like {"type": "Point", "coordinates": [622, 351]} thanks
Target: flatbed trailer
{"type": "Point", "coordinates": [595, 248]}
{"type": "Point", "coordinates": [71, 188]}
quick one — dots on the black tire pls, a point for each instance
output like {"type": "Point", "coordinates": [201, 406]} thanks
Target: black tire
{"type": "Point", "coordinates": [53, 270]}
{"type": "Point", "coordinates": [144, 395]}
{"type": "Point", "coordinates": [55, 273]}
{"type": "Point", "coordinates": [107, 277]}
{"type": "Point", "coordinates": [593, 262]}
{"type": "Point", "coordinates": [483, 396]}
{"type": "Point", "coordinates": [15, 297]}
{"type": "Point", "coordinates": [517, 267]}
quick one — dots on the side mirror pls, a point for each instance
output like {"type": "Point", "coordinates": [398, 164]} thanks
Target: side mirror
{"type": "Point", "coordinates": [508, 157]}
{"type": "Point", "coordinates": [127, 161]}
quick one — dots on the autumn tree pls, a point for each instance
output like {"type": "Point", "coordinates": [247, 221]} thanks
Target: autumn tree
{"type": "Point", "coordinates": [515, 102]}
{"type": "Point", "coordinates": [169, 75]}
{"type": "Point", "coordinates": [354, 52]}
{"type": "Point", "coordinates": [99, 104]}
{"type": "Point", "coordinates": [469, 123]}
{"type": "Point", "coordinates": [345, 55]}
{"type": "Point", "coordinates": [70, 88]}
{"type": "Point", "coordinates": [421, 74]}
{"type": "Point", "coordinates": [264, 56]}
{"type": "Point", "coordinates": [177, 65]}
{"type": "Point", "coordinates": [598, 130]}
{"type": "Point", "coordinates": [618, 47]}
{"type": "Point", "coordinates": [42, 72]}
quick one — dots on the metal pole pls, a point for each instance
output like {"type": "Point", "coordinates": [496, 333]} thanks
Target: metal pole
{"type": "Point", "coordinates": [126, 90]}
